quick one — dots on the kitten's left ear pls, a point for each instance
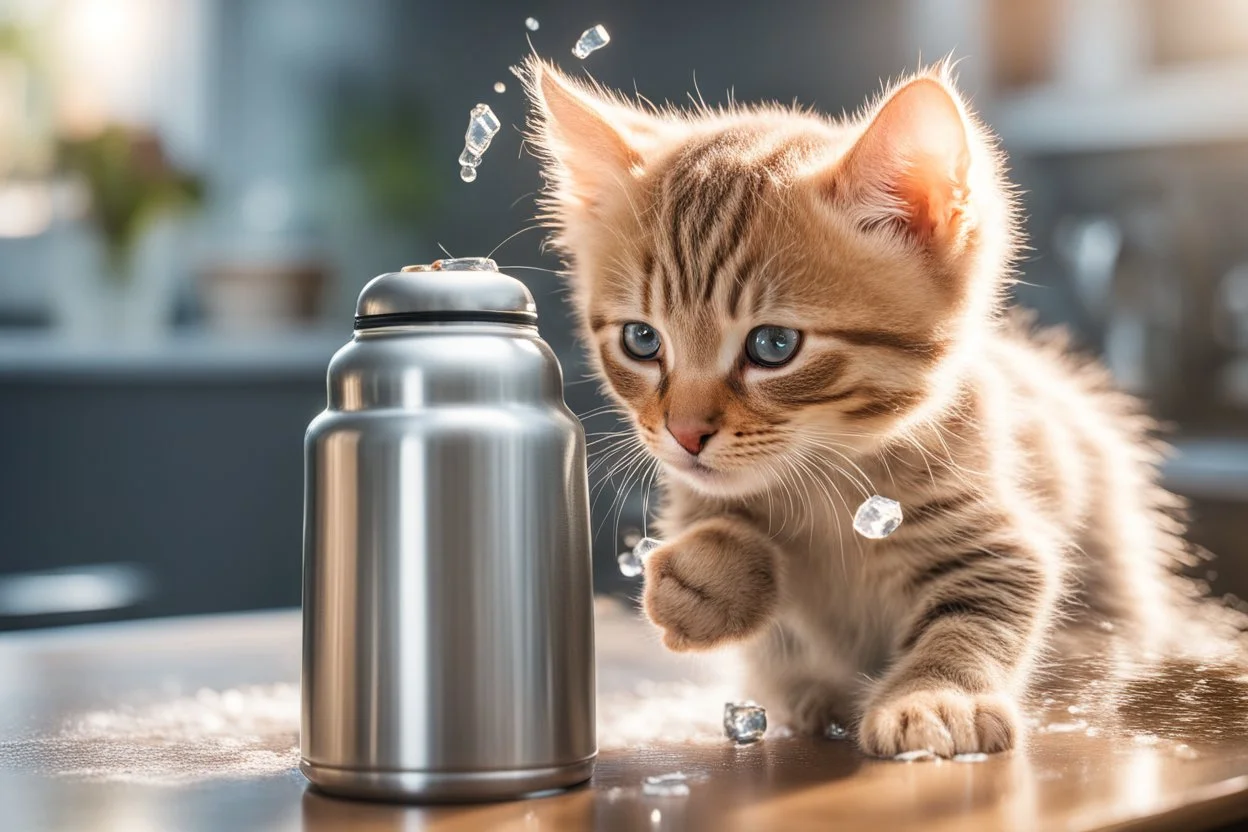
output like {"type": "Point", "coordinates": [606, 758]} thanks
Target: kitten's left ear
{"type": "Point", "coordinates": [590, 142]}
{"type": "Point", "coordinates": [911, 166]}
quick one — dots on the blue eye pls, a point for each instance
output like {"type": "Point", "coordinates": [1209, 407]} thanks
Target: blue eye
{"type": "Point", "coordinates": [641, 341]}
{"type": "Point", "coordinates": [772, 346]}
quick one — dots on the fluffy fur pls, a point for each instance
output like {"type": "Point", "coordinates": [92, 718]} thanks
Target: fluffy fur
{"type": "Point", "coordinates": [886, 240]}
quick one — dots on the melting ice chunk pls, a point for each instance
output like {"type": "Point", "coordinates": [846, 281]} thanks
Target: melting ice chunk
{"type": "Point", "coordinates": [877, 518]}
{"type": "Point", "coordinates": [465, 264]}
{"type": "Point", "coordinates": [500, 87]}
{"type": "Point", "coordinates": [744, 722]}
{"type": "Point", "coordinates": [675, 784]}
{"type": "Point", "coordinates": [591, 40]}
{"type": "Point", "coordinates": [632, 562]}
{"type": "Point", "coordinates": [531, 24]}
{"type": "Point", "coordinates": [483, 125]}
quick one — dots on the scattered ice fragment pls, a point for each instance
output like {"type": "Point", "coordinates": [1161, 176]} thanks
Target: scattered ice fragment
{"type": "Point", "coordinates": [1185, 752]}
{"type": "Point", "coordinates": [744, 722]}
{"type": "Point", "coordinates": [835, 731]}
{"type": "Point", "coordinates": [591, 40]}
{"type": "Point", "coordinates": [500, 87]}
{"type": "Point", "coordinates": [974, 757]}
{"type": "Point", "coordinates": [531, 24]}
{"type": "Point", "coordinates": [877, 518]}
{"type": "Point", "coordinates": [465, 264]}
{"type": "Point", "coordinates": [483, 125]}
{"type": "Point", "coordinates": [1066, 727]}
{"type": "Point", "coordinates": [1146, 739]}
{"type": "Point", "coordinates": [656, 817]}
{"type": "Point", "coordinates": [632, 563]}
{"type": "Point", "coordinates": [675, 784]}
{"type": "Point", "coordinates": [1074, 709]}
{"type": "Point", "coordinates": [917, 756]}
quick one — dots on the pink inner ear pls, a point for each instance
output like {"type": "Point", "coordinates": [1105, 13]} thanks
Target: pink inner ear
{"type": "Point", "coordinates": [914, 156]}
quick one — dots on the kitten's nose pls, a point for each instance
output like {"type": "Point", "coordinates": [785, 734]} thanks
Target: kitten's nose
{"type": "Point", "coordinates": [692, 435]}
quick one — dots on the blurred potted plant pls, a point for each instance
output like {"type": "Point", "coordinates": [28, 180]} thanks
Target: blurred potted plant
{"type": "Point", "coordinates": [131, 187]}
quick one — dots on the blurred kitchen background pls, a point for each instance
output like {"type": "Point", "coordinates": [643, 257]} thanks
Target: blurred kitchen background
{"type": "Point", "coordinates": [192, 192]}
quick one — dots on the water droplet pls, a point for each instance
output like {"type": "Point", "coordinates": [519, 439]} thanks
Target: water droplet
{"type": "Point", "coordinates": [1065, 727]}
{"type": "Point", "coordinates": [1185, 752]}
{"type": "Point", "coordinates": [500, 87]}
{"type": "Point", "coordinates": [468, 173]}
{"type": "Point", "coordinates": [1146, 739]}
{"type": "Point", "coordinates": [976, 757]}
{"type": "Point", "coordinates": [1074, 709]}
{"type": "Point", "coordinates": [656, 817]}
{"type": "Point", "coordinates": [591, 40]}
{"type": "Point", "coordinates": [675, 784]}
{"type": "Point", "coordinates": [531, 24]}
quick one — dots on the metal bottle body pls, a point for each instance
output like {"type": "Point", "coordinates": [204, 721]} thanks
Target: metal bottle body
{"type": "Point", "coordinates": [448, 622]}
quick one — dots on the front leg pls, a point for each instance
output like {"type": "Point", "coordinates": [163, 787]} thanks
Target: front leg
{"type": "Point", "coordinates": [713, 584]}
{"type": "Point", "coordinates": [980, 613]}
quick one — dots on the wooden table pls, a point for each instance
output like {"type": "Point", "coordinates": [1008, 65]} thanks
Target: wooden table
{"type": "Point", "coordinates": [193, 724]}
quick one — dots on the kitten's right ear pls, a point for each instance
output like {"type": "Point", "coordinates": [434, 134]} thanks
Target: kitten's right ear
{"type": "Point", "coordinates": [589, 143]}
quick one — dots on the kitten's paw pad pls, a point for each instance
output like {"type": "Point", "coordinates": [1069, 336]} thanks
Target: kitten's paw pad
{"type": "Point", "coordinates": [702, 597]}
{"type": "Point", "coordinates": [945, 722]}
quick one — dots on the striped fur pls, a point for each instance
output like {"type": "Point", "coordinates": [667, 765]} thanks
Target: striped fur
{"type": "Point", "coordinates": [886, 240]}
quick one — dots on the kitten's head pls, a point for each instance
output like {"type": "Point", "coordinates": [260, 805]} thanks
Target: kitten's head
{"type": "Point", "coordinates": [760, 286]}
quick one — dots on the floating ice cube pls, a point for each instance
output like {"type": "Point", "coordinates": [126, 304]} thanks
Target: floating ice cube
{"type": "Point", "coordinates": [917, 756]}
{"type": "Point", "coordinates": [675, 784]}
{"type": "Point", "coordinates": [500, 87]}
{"type": "Point", "coordinates": [878, 517]}
{"type": "Point", "coordinates": [744, 722]}
{"type": "Point", "coordinates": [531, 24]}
{"type": "Point", "coordinates": [591, 40]}
{"type": "Point", "coordinates": [972, 757]}
{"type": "Point", "coordinates": [632, 562]}
{"type": "Point", "coordinates": [835, 731]}
{"type": "Point", "coordinates": [483, 125]}
{"type": "Point", "coordinates": [465, 264]}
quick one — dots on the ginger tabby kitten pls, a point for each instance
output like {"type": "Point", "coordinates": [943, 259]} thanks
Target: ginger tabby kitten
{"type": "Point", "coordinates": [799, 312]}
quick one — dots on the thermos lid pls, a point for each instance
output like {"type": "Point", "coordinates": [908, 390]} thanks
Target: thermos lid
{"type": "Point", "coordinates": [462, 289]}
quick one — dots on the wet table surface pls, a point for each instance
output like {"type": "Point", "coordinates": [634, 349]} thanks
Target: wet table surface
{"type": "Point", "coordinates": [193, 724]}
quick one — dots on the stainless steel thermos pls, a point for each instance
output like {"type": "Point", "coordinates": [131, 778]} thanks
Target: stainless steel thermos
{"type": "Point", "coordinates": [448, 649]}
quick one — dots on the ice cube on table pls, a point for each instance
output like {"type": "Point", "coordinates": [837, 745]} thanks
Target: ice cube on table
{"type": "Point", "coordinates": [878, 517]}
{"type": "Point", "coordinates": [591, 40]}
{"type": "Point", "coordinates": [744, 722]}
{"type": "Point", "coordinates": [675, 784]}
{"type": "Point", "coordinates": [531, 24]}
{"type": "Point", "coordinates": [835, 731]}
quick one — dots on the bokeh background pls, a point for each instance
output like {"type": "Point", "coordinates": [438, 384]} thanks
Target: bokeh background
{"type": "Point", "coordinates": [192, 192]}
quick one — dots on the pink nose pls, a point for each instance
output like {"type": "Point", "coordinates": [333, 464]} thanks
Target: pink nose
{"type": "Point", "coordinates": [692, 436]}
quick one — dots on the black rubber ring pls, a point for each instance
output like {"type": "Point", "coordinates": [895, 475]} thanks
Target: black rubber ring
{"type": "Point", "coordinates": [445, 316]}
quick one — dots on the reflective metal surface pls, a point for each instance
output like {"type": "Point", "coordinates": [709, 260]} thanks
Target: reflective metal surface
{"type": "Point", "coordinates": [448, 627]}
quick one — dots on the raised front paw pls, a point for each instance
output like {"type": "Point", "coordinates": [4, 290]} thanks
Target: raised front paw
{"type": "Point", "coordinates": [712, 585]}
{"type": "Point", "coordinates": [945, 721]}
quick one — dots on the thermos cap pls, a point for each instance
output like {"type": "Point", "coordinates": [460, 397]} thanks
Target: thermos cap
{"type": "Point", "coordinates": [463, 289]}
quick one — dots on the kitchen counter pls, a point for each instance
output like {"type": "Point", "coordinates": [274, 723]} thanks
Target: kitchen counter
{"type": "Point", "coordinates": [193, 724]}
